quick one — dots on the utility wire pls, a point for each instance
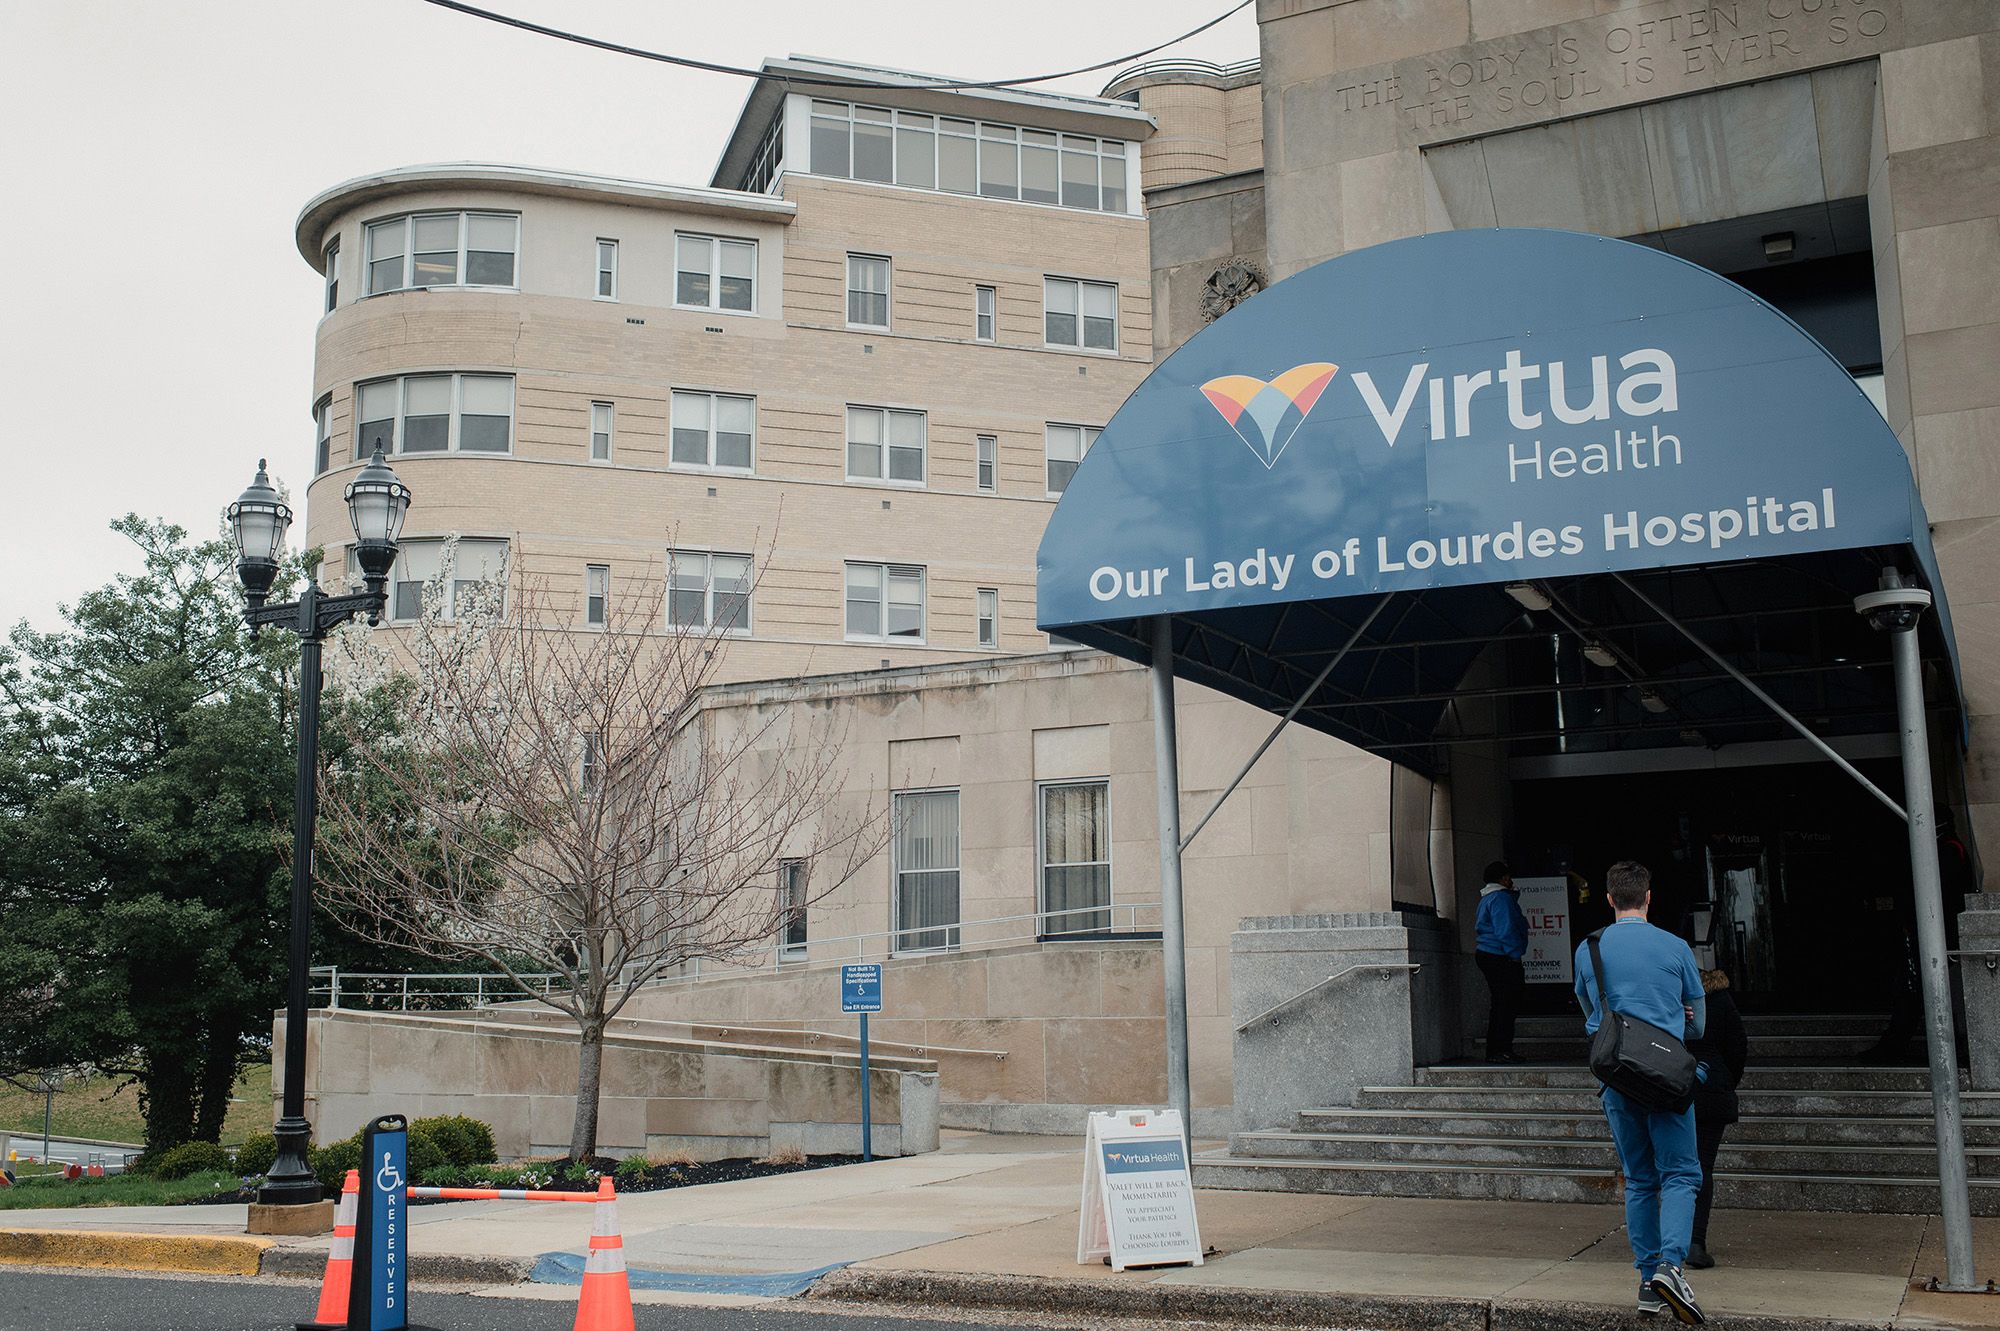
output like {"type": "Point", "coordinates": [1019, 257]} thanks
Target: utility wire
{"type": "Point", "coordinates": [830, 81]}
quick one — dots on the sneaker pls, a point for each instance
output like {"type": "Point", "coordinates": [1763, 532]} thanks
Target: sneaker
{"type": "Point", "coordinates": [1671, 1285]}
{"type": "Point", "coordinates": [1698, 1258]}
{"type": "Point", "coordinates": [1649, 1302]}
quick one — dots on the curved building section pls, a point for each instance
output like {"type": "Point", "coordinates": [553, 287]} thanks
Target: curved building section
{"type": "Point", "coordinates": [833, 413]}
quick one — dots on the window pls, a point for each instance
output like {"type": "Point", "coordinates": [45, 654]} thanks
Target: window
{"type": "Point", "coordinates": [926, 905]}
{"type": "Point", "coordinates": [885, 602]}
{"type": "Point", "coordinates": [791, 910]}
{"type": "Point", "coordinates": [714, 430]}
{"type": "Point", "coordinates": [886, 445]}
{"type": "Point", "coordinates": [1080, 314]}
{"type": "Point", "coordinates": [442, 250]}
{"type": "Point", "coordinates": [988, 448]}
{"type": "Point", "coordinates": [989, 617]}
{"type": "Point", "coordinates": [711, 273]}
{"type": "Point", "coordinates": [867, 291]}
{"type": "Point", "coordinates": [919, 150]}
{"type": "Point", "coordinates": [478, 578]}
{"type": "Point", "coordinates": [434, 413]}
{"type": "Point", "coordinates": [596, 594]}
{"type": "Point", "coordinates": [1066, 446]}
{"type": "Point", "coordinates": [1075, 840]}
{"type": "Point", "coordinates": [762, 176]}
{"type": "Point", "coordinates": [982, 313]}
{"type": "Point", "coordinates": [708, 591]}
{"type": "Point", "coordinates": [592, 774]}
{"type": "Point", "coordinates": [607, 270]}
{"type": "Point", "coordinates": [323, 434]}
{"type": "Point", "coordinates": [601, 416]}
{"type": "Point", "coordinates": [331, 268]}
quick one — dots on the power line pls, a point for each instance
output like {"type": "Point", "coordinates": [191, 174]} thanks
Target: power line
{"type": "Point", "coordinates": [830, 81]}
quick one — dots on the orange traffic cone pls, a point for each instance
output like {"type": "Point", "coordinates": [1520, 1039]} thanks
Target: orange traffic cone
{"type": "Point", "coordinates": [606, 1304]}
{"type": "Point", "coordinates": [332, 1314]}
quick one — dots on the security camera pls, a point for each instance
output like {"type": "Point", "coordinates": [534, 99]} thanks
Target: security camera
{"type": "Point", "coordinates": [1893, 608]}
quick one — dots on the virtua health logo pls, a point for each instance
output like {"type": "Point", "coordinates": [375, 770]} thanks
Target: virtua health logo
{"type": "Point", "coordinates": [1265, 415]}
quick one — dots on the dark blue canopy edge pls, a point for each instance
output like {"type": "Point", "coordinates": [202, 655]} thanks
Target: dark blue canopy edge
{"type": "Point", "coordinates": [1435, 419]}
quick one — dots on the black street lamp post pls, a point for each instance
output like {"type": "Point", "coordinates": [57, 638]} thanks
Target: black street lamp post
{"type": "Point", "coordinates": [376, 503]}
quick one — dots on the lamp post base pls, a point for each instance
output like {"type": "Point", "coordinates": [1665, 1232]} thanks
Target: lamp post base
{"type": "Point", "coordinates": [291, 1181]}
{"type": "Point", "coordinates": [311, 1218]}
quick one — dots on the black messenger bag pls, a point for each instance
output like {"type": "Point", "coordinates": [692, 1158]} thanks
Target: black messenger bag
{"type": "Point", "coordinates": [1648, 1066]}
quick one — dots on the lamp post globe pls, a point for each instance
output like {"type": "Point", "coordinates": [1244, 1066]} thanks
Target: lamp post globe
{"type": "Point", "coordinates": [376, 504]}
{"type": "Point", "coordinates": [258, 521]}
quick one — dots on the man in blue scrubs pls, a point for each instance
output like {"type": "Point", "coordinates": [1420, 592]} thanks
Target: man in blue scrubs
{"type": "Point", "coordinates": [1650, 975]}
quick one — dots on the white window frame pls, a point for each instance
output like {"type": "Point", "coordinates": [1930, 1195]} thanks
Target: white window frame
{"type": "Point", "coordinates": [452, 435]}
{"type": "Point", "coordinates": [715, 243]}
{"type": "Point", "coordinates": [986, 314]}
{"type": "Point", "coordinates": [1042, 865]}
{"type": "Point", "coordinates": [793, 882]}
{"type": "Point", "coordinates": [331, 273]}
{"type": "Point", "coordinates": [986, 463]}
{"type": "Point", "coordinates": [986, 610]}
{"type": "Point", "coordinates": [408, 223]}
{"type": "Point", "coordinates": [742, 629]}
{"type": "Point", "coordinates": [888, 292]}
{"type": "Point", "coordinates": [606, 246]}
{"type": "Point", "coordinates": [1086, 436]}
{"type": "Point", "coordinates": [607, 413]}
{"type": "Point", "coordinates": [399, 570]}
{"type": "Point", "coordinates": [590, 771]}
{"type": "Point", "coordinates": [711, 465]}
{"type": "Point", "coordinates": [597, 586]}
{"type": "Point", "coordinates": [885, 413]}
{"type": "Point", "coordinates": [323, 432]}
{"type": "Point", "coordinates": [954, 932]}
{"type": "Point", "coordinates": [886, 572]}
{"type": "Point", "coordinates": [1077, 285]}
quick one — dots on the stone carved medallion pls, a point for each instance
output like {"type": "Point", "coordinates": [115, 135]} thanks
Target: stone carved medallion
{"type": "Point", "coordinates": [1230, 285]}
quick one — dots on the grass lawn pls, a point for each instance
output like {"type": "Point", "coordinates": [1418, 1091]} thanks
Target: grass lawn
{"type": "Point", "coordinates": [99, 1109]}
{"type": "Point", "coordinates": [117, 1190]}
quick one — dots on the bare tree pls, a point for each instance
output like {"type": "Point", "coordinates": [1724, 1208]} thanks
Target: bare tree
{"type": "Point", "coordinates": [554, 800]}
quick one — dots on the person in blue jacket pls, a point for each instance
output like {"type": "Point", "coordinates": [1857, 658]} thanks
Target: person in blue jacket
{"type": "Point", "coordinates": [1502, 940]}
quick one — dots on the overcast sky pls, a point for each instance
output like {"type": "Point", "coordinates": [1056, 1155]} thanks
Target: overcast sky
{"type": "Point", "coordinates": [156, 323]}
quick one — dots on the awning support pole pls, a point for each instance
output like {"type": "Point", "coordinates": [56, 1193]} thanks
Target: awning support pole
{"type": "Point", "coordinates": [1897, 610]}
{"type": "Point", "coordinates": [1764, 698]}
{"type": "Point", "coordinates": [1173, 941]}
{"type": "Point", "coordinates": [1284, 721]}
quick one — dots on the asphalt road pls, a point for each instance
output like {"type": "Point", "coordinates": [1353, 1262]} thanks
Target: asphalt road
{"type": "Point", "coordinates": [38, 1300]}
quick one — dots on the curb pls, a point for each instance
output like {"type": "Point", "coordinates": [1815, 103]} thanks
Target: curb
{"type": "Point", "coordinates": [425, 1268]}
{"type": "Point", "coordinates": [1259, 1307]}
{"type": "Point", "coordinates": [201, 1254]}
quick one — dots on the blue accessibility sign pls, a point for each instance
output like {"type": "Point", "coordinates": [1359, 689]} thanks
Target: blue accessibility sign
{"type": "Point", "coordinates": [861, 988]}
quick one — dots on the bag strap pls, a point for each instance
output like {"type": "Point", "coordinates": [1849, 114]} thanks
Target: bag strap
{"type": "Point", "coordinates": [1597, 972]}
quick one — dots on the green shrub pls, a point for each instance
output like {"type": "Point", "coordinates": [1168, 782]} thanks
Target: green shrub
{"type": "Point", "coordinates": [424, 1153]}
{"type": "Point", "coordinates": [467, 1141]}
{"type": "Point", "coordinates": [257, 1154]}
{"type": "Point", "coordinates": [579, 1175]}
{"type": "Point", "coordinates": [445, 1176]}
{"type": "Point", "coordinates": [630, 1172]}
{"type": "Point", "coordinates": [331, 1162]}
{"type": "Point", "coordinates": [189, 1158]}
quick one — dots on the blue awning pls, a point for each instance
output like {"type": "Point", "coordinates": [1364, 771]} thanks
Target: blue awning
{"type": "Point", "coordinates": [1410, 430]}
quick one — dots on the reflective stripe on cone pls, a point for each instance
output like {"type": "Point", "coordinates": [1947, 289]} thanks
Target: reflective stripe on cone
{"type": "Point", "coordinates": [606, 1302]}
{"type": "Point", "coordinates": [332, 1314]}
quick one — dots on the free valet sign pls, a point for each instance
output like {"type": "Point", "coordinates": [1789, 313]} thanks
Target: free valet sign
{"type": "Point", "coordinates": [1138, 1194]}
{"type": "Point", "coordinates": [1470, 407]}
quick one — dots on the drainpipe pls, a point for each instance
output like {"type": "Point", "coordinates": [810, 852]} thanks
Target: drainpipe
{"type": "Point", "coordinates": [1173, 944]}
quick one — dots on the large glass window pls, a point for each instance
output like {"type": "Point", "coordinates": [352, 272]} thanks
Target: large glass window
{"type": "Point", "coordinates": [868, 290]}
{"type": "Point", "coordinates": [715, 273]}
{"type": "Point", "coordinates": [792, 879]}
{"type": "Point", "coordinates": [478, 581]}
{"type": "Point", "coordinates": [1080, 314]}
{"type": "Point", "coordinates": [714, 430]}
{"type": "Point", "coordinates": [434, 413]}
{"type": "Point", "coordinates": [323, 434]}
{"type": "Point", "coordinates": [442, 250]}
{"type": "Point", "coordinates": [885, 602]}
{"type": "Point", "coordinates": [927, 863]}
{"type": "Point", "coordinates": [708, 591]}
{"type": "Point", "coordinates": [1066, 446]}
{"type": "Point", "coordinates": [886, 445]}
{"type": "Point", "coordinates": [919, 150]}
{"type": "Point", "coordinates": [1076, 857]}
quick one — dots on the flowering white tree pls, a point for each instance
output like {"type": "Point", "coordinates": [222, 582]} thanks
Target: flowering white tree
{"type": "Point", "coordinates": [549, 799]}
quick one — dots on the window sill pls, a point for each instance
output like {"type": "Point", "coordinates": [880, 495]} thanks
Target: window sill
{"type": "Point", "coordinates": [713, 309]}
{"type": "Point", "coordinates": [881, 484]}
{"type": "Point", "coordinates": [1101, 352]}
{"type": "Point", "coordinates": [709, 469]}
{"type": "Point", "coordinates": [885, 642]}
{"type": "Point", "coordinates": [1102, 936]}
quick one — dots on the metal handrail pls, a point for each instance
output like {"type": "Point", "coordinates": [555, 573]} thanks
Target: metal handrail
{"type": "Point", "coordinates": [1183, 65]}
{"type": "Point", "coordinates": [1411, 966]}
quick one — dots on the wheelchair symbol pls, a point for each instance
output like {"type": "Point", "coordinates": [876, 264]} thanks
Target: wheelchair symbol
{"type": "Point", "coordinates": [387, 1179]}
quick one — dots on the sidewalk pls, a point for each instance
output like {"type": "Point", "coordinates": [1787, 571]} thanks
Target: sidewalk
{"type": "Point", "coordinates": [985, 1209]}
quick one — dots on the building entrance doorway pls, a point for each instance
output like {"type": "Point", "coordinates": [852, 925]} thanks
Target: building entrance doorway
{"type": "Point", "coordinates": [1792, 874]}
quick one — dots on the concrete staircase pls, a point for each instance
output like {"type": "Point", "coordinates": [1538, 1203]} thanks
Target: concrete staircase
{"type": "Point", "coordinates": [1814, 1136]}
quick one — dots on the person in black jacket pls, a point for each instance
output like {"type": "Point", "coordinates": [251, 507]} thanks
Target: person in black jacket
{"type": "Point", "coordinates": [1723, 1050]}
